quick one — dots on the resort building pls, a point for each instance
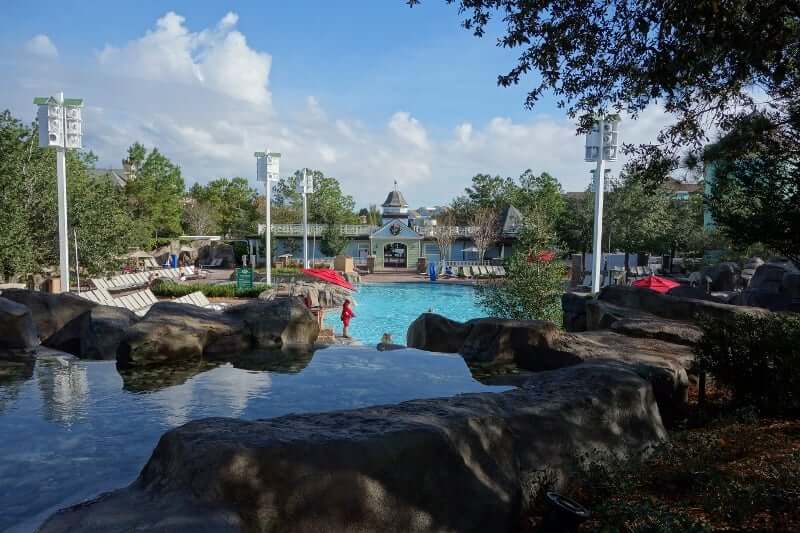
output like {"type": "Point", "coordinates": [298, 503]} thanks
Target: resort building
{"type": "Point", "coordinates": [403, 237]}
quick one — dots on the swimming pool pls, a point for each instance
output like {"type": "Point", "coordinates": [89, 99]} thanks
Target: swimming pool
{"type": "Point", "coordinates": [391, 307]}
{"type": "Point", "coordinates": [73, 429]}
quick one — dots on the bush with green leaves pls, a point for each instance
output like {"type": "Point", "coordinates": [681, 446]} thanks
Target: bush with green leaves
{"type": "Point", "coordinates": [171, 289]}
{"type": "Point", "coordinates": [534, 281]}
{"type": "Point", "coordinates": [757, 356]}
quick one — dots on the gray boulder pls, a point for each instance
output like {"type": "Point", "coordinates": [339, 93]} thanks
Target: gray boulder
{"type": "Point", "coordinates": [573, 305]}
{"type": "Point", "coordinates": [462, 464]}
{"type": "Point", "coordinates": [499, 341]}
{"type": "Point", "coordinates": [435, 333]}
{"type": "Point", "coordinates": [51, 312]}
{"type": "Point", "coordinates": [278, 323]}
{"type": "Point", "coordinates": [102, 330]}
{"type": "Point", "coordinates": [17, 329]}
{"type": "Point", "coordinates": [637, 323]}
{"type": "Point", "coordinates": [173, 331]}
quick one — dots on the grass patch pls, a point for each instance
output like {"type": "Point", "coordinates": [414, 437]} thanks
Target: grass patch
{"type": "Point", "coordinates": [171, 289]}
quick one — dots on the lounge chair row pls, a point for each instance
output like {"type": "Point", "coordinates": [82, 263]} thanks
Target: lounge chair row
{"type": "Point", "coordinates": [215, 263]}
{"type": "Point", "coordinates": [138, 302]}
{"type": "Point", "coordinates": [195, 298]}
{"type": "Point", "coordinates": [122, 281]}
{"type": "Point", "coordinates": [482, 271]}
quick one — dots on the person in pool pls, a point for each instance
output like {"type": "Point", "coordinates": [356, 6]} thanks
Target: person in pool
{"type": "Point", "coordinates": [347, 314]}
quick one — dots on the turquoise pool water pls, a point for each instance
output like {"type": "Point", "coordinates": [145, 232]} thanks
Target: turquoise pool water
{"type": "Point", "coordinates": [71, 429]}
{"type": "Point", "coordinates": [391, 307]}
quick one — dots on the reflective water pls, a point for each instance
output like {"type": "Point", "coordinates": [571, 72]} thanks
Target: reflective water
{"type": "Point", "coordinates": [391, 307]}
{"type": "Point", "coordinates": [75, 428]}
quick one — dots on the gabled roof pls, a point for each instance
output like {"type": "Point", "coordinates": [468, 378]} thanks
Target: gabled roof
{"type": "Point", "coordinates": [403, 232]}
{"type": "Point", "coordinates": [395, 199]}
{"type": "Point", "coordinates": [511, 220]}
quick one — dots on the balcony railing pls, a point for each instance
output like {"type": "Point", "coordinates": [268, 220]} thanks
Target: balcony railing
{"type": "Point", "coordinates": [362, 230]}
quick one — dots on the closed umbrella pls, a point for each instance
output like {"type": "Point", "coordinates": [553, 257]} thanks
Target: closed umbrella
{"type": "Point", "coordinates": [329, 276]}
{"type": "Point", "coordinates": [656, 283]}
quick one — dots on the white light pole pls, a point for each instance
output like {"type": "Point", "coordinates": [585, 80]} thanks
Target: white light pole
{"type": "Point", "coordinates": [601, 146]}
{"type": "Point", "coordinates": [60, 126]}
{"type": "Point", "coordinates": [268, 171]}
{"type": "Point", "coordinates": [305, 187]}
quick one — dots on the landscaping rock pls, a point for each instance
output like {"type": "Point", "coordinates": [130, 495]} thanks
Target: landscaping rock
{"type": "Point", "coordinates": [499, 341]}
{"type": "Point", "coordinates": [671, 307]}
{"type": "Point", "coordinates": [435, 333]}
{"type": "Point", "coordinates": [17, 329]}
{"type": "Point", "coordinates": [636, 323]}
{"type": "Point", "coordinates": [458, 464]}
{"type": "Point", "coordinates": [319, 294]}
{"type": "Point", "coordinates": [723, 276]}
{"type": "Point", "coordinates": [51, 312]}
{"type": "Point", "coordinates": [173, 331]}
{"type": "Point", "coordinates": [102, 330]}
{"type": "Point", "coordinates": [278, 323]}
{"type": "Point", "coordinates": [573, 305]}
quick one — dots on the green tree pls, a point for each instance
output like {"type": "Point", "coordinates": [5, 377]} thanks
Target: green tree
{"type": "Point", "coordinates": [754, 195]}
{"type": "Point", "coordinates": [541, 193]}
{"type": "Point", "coordinates": [334, 241]}
{"type": "Point", "coordinates": [534, 283]}
{"type": "Point", "coordinates": [326, 205]}
{"type": "Point", "coordinates": [576, 223]}
{"type": "Point", "coordinates": [155, 196]}
{"type": "Point", "coordinates": [233, 204]}
{"type": "Point", "coordinates": [635, 218]}
{"type": "Point", "coordinates": [97, 210]}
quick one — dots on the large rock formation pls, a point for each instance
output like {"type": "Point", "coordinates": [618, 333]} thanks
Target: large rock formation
{"type": "Point", "coordinates": [50, 312]}
{"type": "Point", "coordinates": [436, 333]}
{"type": "Point", "coordinates": [459, 464]}
{"type": "Point", "coordinates": [172, 331]}
{"type": "Point", "coordinates": [601, 314]}
{"type": "Point", "coordinates": [319, 294]}
{"type": "Point", "coordinates": [538, 346]}
{"type": "Point", "coordinates": [774, 286]}
{"type": "Point", "coordinates": [102, 330]}
{"type": "Point", "coordinates": [277, 323]}
{"type": "Point", "coordinates": [17, 329]}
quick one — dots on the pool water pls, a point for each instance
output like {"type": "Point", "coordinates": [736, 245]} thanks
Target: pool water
{"type": "Point", "coordinates": [73, 429]}
{"type": "Point", "coordinates": [392, 307]}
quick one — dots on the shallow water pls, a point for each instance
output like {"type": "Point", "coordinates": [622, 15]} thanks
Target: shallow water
{"type": "Point", "coordinates": [76, 428]}
{"type": "Point", "coordinates": [392, 307]}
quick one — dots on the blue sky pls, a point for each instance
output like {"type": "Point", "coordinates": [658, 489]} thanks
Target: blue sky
{"type": "Point", "coordinates": [367, 91]}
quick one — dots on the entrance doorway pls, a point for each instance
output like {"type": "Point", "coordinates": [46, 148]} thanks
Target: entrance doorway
{"type": "Point", "coordinates": [395, 255]}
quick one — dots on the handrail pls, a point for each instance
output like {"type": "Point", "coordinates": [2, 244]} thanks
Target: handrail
{"type": "Point", "coordinates": [316, 230]}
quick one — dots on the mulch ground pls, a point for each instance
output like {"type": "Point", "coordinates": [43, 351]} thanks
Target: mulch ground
{"type": "Point", "coordinates": [724, 469]}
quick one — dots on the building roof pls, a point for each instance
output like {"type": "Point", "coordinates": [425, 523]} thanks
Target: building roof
{"type": "Point", "coordinates": [117, 176]}
{"type": "Point", "coordinates": [682, 185]}
{"type": "Point", "coordinates": [395, 199]}
{"type": "Point", "coordinates": [511, 220]}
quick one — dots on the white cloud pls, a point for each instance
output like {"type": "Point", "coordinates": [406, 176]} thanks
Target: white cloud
{"type": "Point", "coordinates": [202, 98]}
{"type": "Point", "coordinates": [41, 45]}
{"type": "Point", "coordinates": [219, 59]}
{"type": "Point", "coordinates": [409, 129]}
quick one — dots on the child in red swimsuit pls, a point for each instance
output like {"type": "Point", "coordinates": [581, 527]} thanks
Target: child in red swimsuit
{"type": "Point", "coordinates": [347, 314]}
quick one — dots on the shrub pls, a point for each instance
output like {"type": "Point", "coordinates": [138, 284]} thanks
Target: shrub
{"type": "Point", "coordinates": [757, 357]}
{"type": "Point", "coordinates": [170, 289]}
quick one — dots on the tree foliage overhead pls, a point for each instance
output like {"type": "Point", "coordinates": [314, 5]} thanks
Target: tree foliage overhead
{"type": "Point", "coordinates": [754, 194]}
{"type": "Point", "coordinates": [700, 59]}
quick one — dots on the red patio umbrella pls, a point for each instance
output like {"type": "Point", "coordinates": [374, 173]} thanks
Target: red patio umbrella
{"type": "Point", "coordinates": [656, 283]}
{"type": "Point", "coordinates": [328, 275]}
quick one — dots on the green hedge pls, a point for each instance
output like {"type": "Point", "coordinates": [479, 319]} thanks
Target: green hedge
{"type": "Point", "coordinates": [758, 357]}
{"type": "Point", "coordinates": [170, 289]}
